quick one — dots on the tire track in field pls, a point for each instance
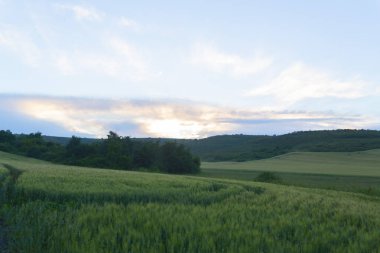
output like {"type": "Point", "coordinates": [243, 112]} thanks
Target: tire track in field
{"type": "Point", "coordinates": [3, 241]}
{"type": "Point", "coordinates": [9, 188]}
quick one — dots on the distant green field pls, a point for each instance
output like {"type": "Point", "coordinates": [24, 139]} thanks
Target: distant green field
{"type": "Point", "coordinates": [348, 171]}
{"type": "Point", "coordinates": [56, 208]}
{"type": "Point", "coordinates": [363, 163]}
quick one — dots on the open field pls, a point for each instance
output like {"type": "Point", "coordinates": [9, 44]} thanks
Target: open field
{"type": "Point", "coordinates": [347, 171]}
{"type": "Point", "coordinates": [362, 163]}
{"type": "Point", "coordinates": [56, 208]}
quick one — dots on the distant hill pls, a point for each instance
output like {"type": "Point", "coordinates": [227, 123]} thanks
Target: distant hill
{"type": "Point", "coordinates": [254, 147]}
{"type": "Point", "coordinates": [246, 147]}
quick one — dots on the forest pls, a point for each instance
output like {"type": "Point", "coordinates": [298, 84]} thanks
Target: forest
{"type": "Point", "coordinates": [114, 152]}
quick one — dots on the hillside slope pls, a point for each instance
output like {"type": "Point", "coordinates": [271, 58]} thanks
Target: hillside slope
{"type": "Point", "coordinates": [361, 163]}
{"type": "Point", "coordinates": [245, 147]}
{"type": "Point", "coordinates": [344, 171]}
{"type": "Point", "coordinates": [56, 208]}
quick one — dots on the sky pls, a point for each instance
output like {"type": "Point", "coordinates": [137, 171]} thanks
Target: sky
{"type": "Point", "coordinates": [188, 69]}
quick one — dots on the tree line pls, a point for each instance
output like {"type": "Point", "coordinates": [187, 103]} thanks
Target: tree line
{"type": "Point", "coordinates": [113, 152]}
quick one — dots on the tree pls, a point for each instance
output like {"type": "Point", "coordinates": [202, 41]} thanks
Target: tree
{"type": "Point", "coordinates": [6, 136]}
{"type": "Point", "coordinates": [32, 144]}
{"type": "Point", "coordinates": [7, 140]}
{"type": "Point", "coordinates": [118, 151]}
{"type": "Point", "coordinates": [145, 155]}
{"type": "Point", "coordinates": [115, 152]}
{"type": "Point", "coordinates": [76, 151]}
{"type": "Point", "coordinates": [175, 158]}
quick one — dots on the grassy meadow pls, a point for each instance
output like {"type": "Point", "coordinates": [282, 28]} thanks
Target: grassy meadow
{"type": "Point", "coordinates": [361, 163]}
{"type": "Point", "coordinates": [348, 171]}
{"type": "Point", "coordinates": [56, 208]}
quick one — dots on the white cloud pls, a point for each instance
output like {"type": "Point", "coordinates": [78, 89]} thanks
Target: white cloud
{"type": "Point", "coordinates": [74, 63]}
{"type": "Point", "coordinates": [215, 60]}
{"type": "Point", "coordinates": [131, 58]}
{"type": "Point", "coordinates": [377, 90]}
{"type": "Point", "coordinates": [122, 60]}
{"type": "Point", "coordinates": [116, 58]}
{"type": "Point", "coordinates": [63, 63]}
{"type": "Point", "coordinates": [174, 119]}
{"type": "Point", "coordinates": [82, 12]}
{"type": "Point", "coordinates": [300, 82]}
{"type": "Point", "coordinates": [129, 23]}
{"type": "Point", "coordinates": [21, 44]}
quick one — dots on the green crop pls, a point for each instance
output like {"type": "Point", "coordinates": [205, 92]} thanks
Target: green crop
{"type": "Point", "coordinates": [55, 208]}
{"type": "Point", "coordinates": [361, 163]}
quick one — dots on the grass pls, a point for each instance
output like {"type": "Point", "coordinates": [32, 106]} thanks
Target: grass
{"type": "Point", "coordinates": [362, 163]}
{"type": "Point", "coordinates": [347, 171]}
{"type": "Point", "coordinates": [55, 208]}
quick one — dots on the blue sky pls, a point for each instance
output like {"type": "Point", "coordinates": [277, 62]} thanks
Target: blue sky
{"type": "Point", "coordinates": [188, 69]}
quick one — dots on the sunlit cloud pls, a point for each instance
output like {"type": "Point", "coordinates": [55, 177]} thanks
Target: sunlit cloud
{"type": "Point", "coordinates": [62, 113]}
{"type": "Point", "coordinates": [154, 119]}
{"type": "Point", "coordinates": [171, 119]}
{"type": "Point", "coordinates": [300, 81]}
{"type": "Point", "coordinates": [212, 58]}
{"type": "Point", "coordinates": [82, 12]}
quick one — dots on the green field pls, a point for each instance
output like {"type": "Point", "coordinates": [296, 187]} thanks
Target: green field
{"type": "Point", "coordinates": [56, 208]}
{"type": "Point", "coordinates": [348, 171]}
{"type": "Point", "coordinates": [362, 163]}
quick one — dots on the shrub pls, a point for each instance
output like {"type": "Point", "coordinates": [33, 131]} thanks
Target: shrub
{"type": "Point", "coordinates": [268, 177]}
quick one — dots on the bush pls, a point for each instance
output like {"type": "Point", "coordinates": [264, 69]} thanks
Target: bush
{"type": "Point", "coordinates": [269, 177]}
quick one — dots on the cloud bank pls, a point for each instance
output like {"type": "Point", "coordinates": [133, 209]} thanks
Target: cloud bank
{"type": "Point", "coordinates": [176, 119]}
